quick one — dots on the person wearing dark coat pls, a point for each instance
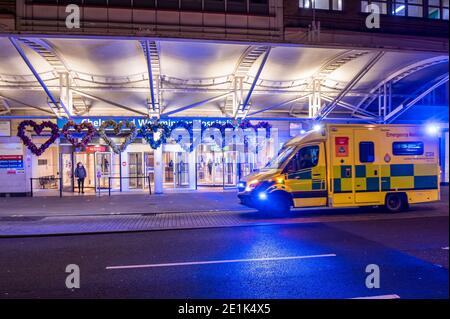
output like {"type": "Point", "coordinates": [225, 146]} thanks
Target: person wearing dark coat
{"type": "Point", "coordinates": [80, 174]}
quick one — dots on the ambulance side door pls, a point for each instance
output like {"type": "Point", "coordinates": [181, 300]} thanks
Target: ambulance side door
{"type": "Point", "coordinates": [341, 166]}
{"type": "Point", "coordinates": [306, 176]}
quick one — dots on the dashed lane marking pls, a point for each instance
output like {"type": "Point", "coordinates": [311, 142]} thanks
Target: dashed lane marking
{"type": "Point", "coordinates": [380, 297]}
{"type": "Point", "coordinates": [210, 262]}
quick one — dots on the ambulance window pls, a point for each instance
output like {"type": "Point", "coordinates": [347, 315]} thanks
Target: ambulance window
{"type": "Point", "coordinates": [366, 152]}
{"type": "Point", "coordinates": [306, 157]}
{"type": "Point", "coordinates": [407, 148]}
{"type": "Point", "coordinates": [283, 155]}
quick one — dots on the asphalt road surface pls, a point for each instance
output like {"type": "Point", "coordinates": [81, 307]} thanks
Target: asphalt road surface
{"type": "Point", "coordinates": [320, 260]}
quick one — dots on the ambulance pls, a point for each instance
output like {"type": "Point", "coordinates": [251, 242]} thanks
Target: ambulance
{"type": "Point", "coordinates": [340, 165]}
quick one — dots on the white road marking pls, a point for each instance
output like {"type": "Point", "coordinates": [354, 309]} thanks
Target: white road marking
{"type": "Point", "coordinates": [209, 262]}
{"type": "Point", "coordinates": [445, 248]}
{"type": "Point", "coordinates": [380, 297]}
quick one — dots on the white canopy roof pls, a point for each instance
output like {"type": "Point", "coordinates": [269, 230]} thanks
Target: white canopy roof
{"type": "Point", "coordinates": [114, 73]}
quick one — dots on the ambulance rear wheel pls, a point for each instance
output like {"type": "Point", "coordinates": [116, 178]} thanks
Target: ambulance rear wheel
{"type": "Point", "coordinates": [395, 202]}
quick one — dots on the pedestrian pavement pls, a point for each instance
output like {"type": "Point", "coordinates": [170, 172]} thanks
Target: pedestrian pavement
{"type": "Point", "coordinates": [58, 225]}
{"type": "Point", "coordinates": [170, 211]}
{"type": "Point", "coordinates": [91, 205]}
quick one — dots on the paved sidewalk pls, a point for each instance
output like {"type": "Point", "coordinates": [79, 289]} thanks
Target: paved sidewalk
{"type": "Point", "coordinates": [88, 205]}
{"type": "Point", "coordinates": [32, 226]}
{"type": "Point", "coordinates": [170, 211]}
{"type": "Point", "coordinates": [91, 205]}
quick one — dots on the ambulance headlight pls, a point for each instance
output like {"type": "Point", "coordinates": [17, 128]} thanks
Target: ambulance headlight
{"type": "Point", "coordinates": [317, 127]}
{"type": "Point", "coordinates": [432, 129]}
{"type": "Point", "coordinates": [262, 196]}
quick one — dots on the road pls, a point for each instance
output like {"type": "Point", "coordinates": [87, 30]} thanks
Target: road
{"type": "Point", "coordinates": [309, 260]}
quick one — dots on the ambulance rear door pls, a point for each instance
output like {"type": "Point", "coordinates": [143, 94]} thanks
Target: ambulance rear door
{"type": "Point", "coordinates": [367, 150]}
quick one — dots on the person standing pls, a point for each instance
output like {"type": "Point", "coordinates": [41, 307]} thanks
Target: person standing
{"type": "Point", "coordinates": [210, 166]}
{"type": "Point", "coordinates": [80, 174]}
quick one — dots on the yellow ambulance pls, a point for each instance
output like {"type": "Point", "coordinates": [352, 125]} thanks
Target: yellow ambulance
{"type": "Point", "coordinates": [339, 165]}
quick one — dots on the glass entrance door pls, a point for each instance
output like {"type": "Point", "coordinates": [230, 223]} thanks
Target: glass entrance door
{"type": "Point", "coordinates": [149, 162]}
{"type": "Point", "coordinates": [66, 164]}
{"type": "Point", "coordinates": [206, 166]}
{"type": "Point", "coordinates": [103, 162]}
{"type": "Point", "coordinates": [135, 169]}
{"type": "Point", "coordinates": [230, 169]}
{"type": "Point", "coordinates": [176, 169]}
{"type": "Point", "coordinates": [247, 164]}
{"type": "Point", "coordinates": [89, 164]}
{"type": "Point", "coordinates": [169, 163]}
{"type": "Point", "coordinates": [181, 167]}
{"type": "Point", "coordinates": [216, 168]}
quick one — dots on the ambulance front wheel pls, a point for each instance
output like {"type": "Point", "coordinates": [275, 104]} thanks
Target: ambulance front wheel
{"type": "Point", "coordinates": [396, 202]}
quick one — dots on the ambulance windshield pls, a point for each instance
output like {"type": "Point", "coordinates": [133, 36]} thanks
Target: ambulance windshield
{"type": "Point", "coordinates": [283, 155]}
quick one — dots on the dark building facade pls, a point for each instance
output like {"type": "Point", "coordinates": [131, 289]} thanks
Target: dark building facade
{"type": "Point", "coordinates": [226, 19]}
{"type": "Point", "coordinates": [404, 24]}
{"type": "Point", "coordinates": [404, 17]}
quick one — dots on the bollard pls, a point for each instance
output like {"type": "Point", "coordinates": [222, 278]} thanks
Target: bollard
{"type": "Point", "coordinates": [149, 184]}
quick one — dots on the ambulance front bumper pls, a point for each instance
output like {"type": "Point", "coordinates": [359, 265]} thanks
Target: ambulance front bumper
{"type": "Point", "coordinates": [248, 199]}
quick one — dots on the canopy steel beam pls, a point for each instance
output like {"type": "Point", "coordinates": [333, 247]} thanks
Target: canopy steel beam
{"type": "Point", "coordinates": [307, 119]}
{"type": "Point", "coordinates": [6, 107]}
{"type": "Point", "coordinates": [93, 97]}
{"type": "Point", "coordinates": [153, 69]}
{"type": "Point", "coordinates": [39, 79]}
{"type": "Point", "coordinates": [236, 82]}
{"type": "Point", "coordinates": [172, 89]}
{"type": "Point", "coordinates": [403, 107]}
{"type": "Point", "coordinates": [399, 75]}
{"type": "Point", "coordinates": [150, 75]}
{"type": "Point", "coordinates": [66, 77]}
{"type": "Point", "coordinates": [26, 117]}
{"type": "Point", "coordinates": [351, 107]}
{"type": "Point", "coordinates": [244, 107]}
{"type": "Point", "coordinates": [279, 104]}
{"type": "Point", "coordinates": [25, 104]}
{"type": "Point", "coordinates": [291, 119]}
{"type": "Point", "coordinates": [196, 104]}
{"type": "Point", "coordinates": [330, 107]}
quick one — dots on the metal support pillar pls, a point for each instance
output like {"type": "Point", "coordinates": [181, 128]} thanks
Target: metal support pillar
{"type": "Point", "coordinates": [315, 98]}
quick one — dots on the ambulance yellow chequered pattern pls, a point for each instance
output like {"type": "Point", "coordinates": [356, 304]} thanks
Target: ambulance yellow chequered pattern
{"type": "Point", "coordinates": [389, 177]}
{"type": "Point", "coordinates": [310, 179]}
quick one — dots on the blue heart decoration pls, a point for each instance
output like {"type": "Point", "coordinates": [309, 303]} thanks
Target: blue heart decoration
{"type": "Point", "coordinates": [148, 133]}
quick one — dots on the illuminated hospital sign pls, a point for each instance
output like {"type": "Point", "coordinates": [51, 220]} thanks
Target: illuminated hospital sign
{"type": "Point", "coordinates": [139, 122]}
{"type": "Point", "coordinates": [189, 132]}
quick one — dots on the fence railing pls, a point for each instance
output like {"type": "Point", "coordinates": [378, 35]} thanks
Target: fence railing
{"type": "Point", "coordinates": [46, 183]}
{"type": "Point", "coordinates": [144, 178]}
{"type": "Point", "coordinates": [55, 183]}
